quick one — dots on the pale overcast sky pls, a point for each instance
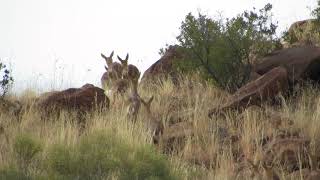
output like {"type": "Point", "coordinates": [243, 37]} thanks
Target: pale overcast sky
{"type": "Point", "coordinates": [57, 43]}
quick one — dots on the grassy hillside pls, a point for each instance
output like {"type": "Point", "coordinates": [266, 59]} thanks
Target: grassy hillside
{"type": "Point", "coordinates": [111, 147]}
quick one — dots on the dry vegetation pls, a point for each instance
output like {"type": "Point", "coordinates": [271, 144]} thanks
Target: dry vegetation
{"type": "Point", "coordinates": [232, 146]}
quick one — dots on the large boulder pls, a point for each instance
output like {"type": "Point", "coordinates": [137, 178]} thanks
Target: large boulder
{"type": "Point", "coordinates": [255, 92]}
{"type": "Point", "coordinates": [164, 67]}
{"type": "Point", "coordinates": [304, 32]}
{"type": "Point", "coordinates": [84, 99]}
{"type": "Point", "coordinates": [301, 63]}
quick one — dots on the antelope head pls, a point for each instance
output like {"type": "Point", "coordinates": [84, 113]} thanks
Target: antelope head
{"type": "Point", "coordinates": [124, 64]}
{"type": "Point", "coordinates": [108, 60]}
{"type": "Point", "coordinates": [125, 61]}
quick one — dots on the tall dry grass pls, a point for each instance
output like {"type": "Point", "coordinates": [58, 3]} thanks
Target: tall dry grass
{"type": "Point", "coordinates": [111, 147]}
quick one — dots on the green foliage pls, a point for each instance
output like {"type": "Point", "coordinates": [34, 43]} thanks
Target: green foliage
{"type": "Point", "coordinates": [225, 49]}
{"type": "Point", "coordinates": [6, 81]}
{"type": "Point", "coordinates": [25, 149]}
{"type": "Point", "coordinates": [316, 11]}
{"type": "Point", "coordinates": [101, 155]}
{"type": "Point", "coordinates": [162, 51]}
{"type": "Point", "coordinates": [98, 155]}
{"type": "Point", "coordinates": [13, 174]}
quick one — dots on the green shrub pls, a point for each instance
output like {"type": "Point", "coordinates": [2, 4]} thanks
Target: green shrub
{"type": "Point", "coordinates": [316, 11]}
{"type": "Point", "coordinates": [146, 164]}
{"type": "Point", "coordinates": [225, 49]}
{"type": "Point", "coordinates": [13, 174]}
{"type": "Point", "coordinates": [6, 81]}
{"type": "Point", "coordinates": [25, 149]}
{"type": "Point", "coordinates": [101, 155]}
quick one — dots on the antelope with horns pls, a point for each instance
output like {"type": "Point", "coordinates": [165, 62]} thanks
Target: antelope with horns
{"type": "Point", "coordinates": [113, 71]}
{"type": "Point", "coordinates": [153, 124]}
{"type": "Point", "coordinates": [129, 71]}
{"type": "Point", "coordinates": [134, 102]}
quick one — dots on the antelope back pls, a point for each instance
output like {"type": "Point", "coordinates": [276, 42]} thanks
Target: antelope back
{"type": "Point", "coordinates": [132, 73]}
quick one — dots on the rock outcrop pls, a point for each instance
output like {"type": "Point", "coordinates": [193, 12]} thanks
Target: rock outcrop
{"type": "Point", "coordinates": [164, 67]}
{"type": "Point", "coordinates": [255, 92]}
{"type": "Point", "coordinates": [84, 99]}
{"type": "Point", "coordinates": [301, 63]}
{"type": "Point", "coordinates": [306, 32]}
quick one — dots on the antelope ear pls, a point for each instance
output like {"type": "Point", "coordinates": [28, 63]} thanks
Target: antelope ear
{"type": "Point", "coordinates": [127, 57]}
{"type": "Point", "coordinates": [103, 56]}
{"type": "Point", "coordinates": [111, 54]}
{"type": "Point", "coordinates": [106, 68]}
{"type": "Point", "coordinates": [121, 60]}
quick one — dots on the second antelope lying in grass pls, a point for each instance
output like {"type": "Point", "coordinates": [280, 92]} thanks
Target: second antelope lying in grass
{"type": "Point", "coordinates": [134, 102]}
{"type": "Point", "coordinates": [153, 124]}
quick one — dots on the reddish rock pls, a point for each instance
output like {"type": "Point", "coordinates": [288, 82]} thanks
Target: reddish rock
{"type": "Point", "coordinates": [254, 76]}
{"type": "Point", "coordinates": [84, 99]}
{"type": "Point", "coordinates": [87, 86]}
{"type": "Point", "coordinates": [256, 92]}
{"type": "Point", "coordinates": [163, 68]}
{"type": "Point", "coordinates": [304, 32]}
{"type": "Point", "coordinates": [301, 63]}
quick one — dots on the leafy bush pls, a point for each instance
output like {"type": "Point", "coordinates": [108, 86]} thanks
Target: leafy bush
{"type": "Point", "coordinates": [6, 81]}
{"type": "Point", "coordinates": [226, 49]}
{"type": "Point", "coordinates": [101, 155]}
{"type": "Point", "coordinates": [25, 148]}
{"type": "Point", "coordinates": [316, 11]}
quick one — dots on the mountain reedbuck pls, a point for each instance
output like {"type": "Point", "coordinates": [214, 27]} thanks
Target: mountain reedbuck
{"type": "Point", "coordinates": [113, 71]}
{"type": "Point", "coordinates": [134, 102]}
{"type": "Point", "coordinates": [130, 72]}
{"type": "Point", "coordinates": [153, 124]}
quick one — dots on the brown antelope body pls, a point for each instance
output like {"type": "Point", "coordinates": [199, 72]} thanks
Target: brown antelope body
{"type": "Point", "coordinates": [134, 102]}
{"type": "Point", "coordinates": [153, 124]}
